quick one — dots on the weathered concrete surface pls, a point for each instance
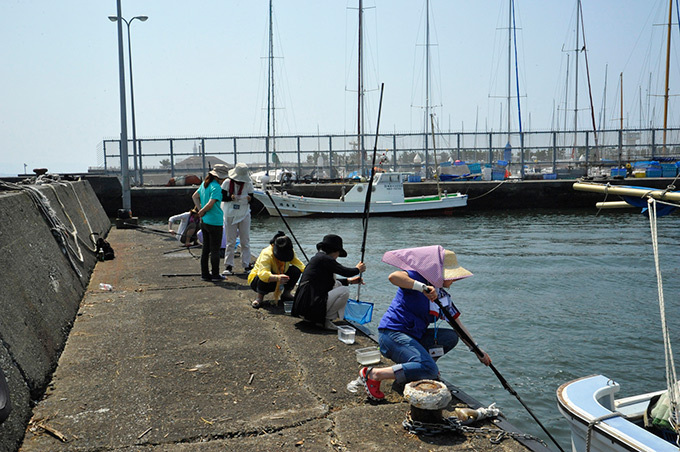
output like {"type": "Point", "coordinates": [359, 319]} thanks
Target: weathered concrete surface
{"type": "Point", "coordinates": [41, 289]}
{"type": "Point", "coordinates": [178, 364]}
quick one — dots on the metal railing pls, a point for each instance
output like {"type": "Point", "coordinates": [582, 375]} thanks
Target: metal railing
{"type": "Point", "coordinates": [320, 157]}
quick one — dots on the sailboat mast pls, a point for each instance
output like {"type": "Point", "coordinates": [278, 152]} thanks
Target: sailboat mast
{"type": "Point", "coordinates": [270, 91]}
{"type": "Point", "coordinates": [566, 100]}
{"type": "Point", "coordinates": [576, 50]}
{"type": "Point", "coordinates": [621, 106]}
{"type": "Point", "coordinates": [509, 65]}
{"type": "Point", "coordinates": [360, 90]}
{"type": "Point", "coordinates": [668, 66]}
{"type": "Point", "coordinates": [271, 69]}
{"type": "Point", "coordinates": [427, 76]}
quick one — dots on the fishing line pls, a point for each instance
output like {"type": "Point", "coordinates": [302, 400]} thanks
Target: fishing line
{"type": "Point", "coordinates": [463, 335]}
{"type": "Point", "coordinates": [286, 223]}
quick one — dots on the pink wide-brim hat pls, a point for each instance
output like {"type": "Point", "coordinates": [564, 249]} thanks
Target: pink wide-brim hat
{"type": "Point", "coordinates": [433, 263]}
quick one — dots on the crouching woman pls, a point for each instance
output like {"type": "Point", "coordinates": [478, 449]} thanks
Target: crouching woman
{"type": "Point", "coordinates": [276, 270]}
{"type": "Point", "coordinates": [321, 298]}
{"type": "Point", "coordinates": [405, 335]}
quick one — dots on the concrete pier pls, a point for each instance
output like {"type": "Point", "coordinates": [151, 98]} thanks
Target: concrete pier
{"type": "Point", "coordinates": [178, 364]}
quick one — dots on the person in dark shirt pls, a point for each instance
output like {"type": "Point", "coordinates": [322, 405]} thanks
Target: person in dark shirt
{"type": "Point", "coordinates": [320, 297]}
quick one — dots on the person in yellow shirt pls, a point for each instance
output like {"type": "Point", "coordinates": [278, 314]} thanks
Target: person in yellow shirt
{"type": "Point", "coordinates": [276, 270]}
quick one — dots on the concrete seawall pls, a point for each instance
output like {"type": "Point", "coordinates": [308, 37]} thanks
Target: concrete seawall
{"type": "Point", "coordinates": [482, 195]}
{"type": "Point", "coordinates": [42, 285]}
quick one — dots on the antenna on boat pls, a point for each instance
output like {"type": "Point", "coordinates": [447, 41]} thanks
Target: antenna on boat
{"type": "Point", "coordinates": [369, 189]}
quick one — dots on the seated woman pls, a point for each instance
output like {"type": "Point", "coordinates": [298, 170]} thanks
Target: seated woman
{"type": "Point", "coordinates": [404, 335]}
{"type": "Point", "coordinates": [276, 266]}
{"type": "Point", "coordinates": [321, 298]}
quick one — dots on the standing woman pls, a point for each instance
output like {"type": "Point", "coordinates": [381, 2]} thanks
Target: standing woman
{"type": "Point", "coordinates": [208, 200]}
{"type": "Point", "coordinates": [321, 298]}
{"type": "Point", "coordinates": [237, 192]}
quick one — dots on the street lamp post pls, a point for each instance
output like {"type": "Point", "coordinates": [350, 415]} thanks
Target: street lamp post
{"type": "Point", "coordinates": [135, 150]}
{"type": "Point", "coordinates": [125, 176]}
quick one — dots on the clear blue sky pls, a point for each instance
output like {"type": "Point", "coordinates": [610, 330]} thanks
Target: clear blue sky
{"type": "Point", "coordinates": [199, 68]}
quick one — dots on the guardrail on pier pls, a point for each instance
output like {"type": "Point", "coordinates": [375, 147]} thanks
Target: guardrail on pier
{"type": "Point", "coordinates": [154, 161]}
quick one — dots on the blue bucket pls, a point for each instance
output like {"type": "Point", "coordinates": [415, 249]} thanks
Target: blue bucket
{"type": "Point", "coordinates": [360, 312]}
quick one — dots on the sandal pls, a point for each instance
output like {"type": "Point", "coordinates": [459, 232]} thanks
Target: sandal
{"type": "Point", "coordinates": [372, 387]}
{"type": "Point", "coordinates": [256, 304]}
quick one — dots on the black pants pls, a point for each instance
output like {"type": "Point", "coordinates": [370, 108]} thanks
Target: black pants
{"type": "Point", "coordinates": [264, 288]}
{"type": "Point", "coordinates": [212, 239]}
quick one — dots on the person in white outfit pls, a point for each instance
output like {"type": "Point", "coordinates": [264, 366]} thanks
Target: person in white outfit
{"type": "Point", "coordinates": [237, 192]}
{"type": "Point", "coordinates": [189, 225]}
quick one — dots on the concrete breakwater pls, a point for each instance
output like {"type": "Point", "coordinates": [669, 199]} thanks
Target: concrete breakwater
{"type": "Point", "coordinates": [168, 362]}
{"type": "Point", "coordinates": [43, 281]}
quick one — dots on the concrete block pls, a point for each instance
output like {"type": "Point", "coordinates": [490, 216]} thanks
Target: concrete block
{"type": "Point", "coordinates": [43, 281]}
{"type": "Point", "coordinates": [12, 430]}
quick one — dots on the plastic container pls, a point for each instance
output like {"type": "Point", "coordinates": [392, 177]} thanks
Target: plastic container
{"type": "Point", "coordinates": [107, 287]}
{"type": "Point", "coordinates": [346, 334]}
{"type": "Point", "coordinates": [368, 355]}
{"type": "Point", "coordinates": [288, 307]}
{"type": "Point", "coordinates": [653, 172]}
{"type": "Point", "coordinates": [475, 168]}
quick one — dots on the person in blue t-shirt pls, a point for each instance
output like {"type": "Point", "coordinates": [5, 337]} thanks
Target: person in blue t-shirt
{"type": "Point", "coordinates": [404, 333]}
{"type": "Point", "coordinates": [208, 199]}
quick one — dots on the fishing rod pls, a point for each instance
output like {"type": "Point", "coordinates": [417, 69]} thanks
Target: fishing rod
{"type": "Point", "coordinates": [286, 223]}
{"type": "Point", "coordinates": [367, 203]}
{"type": "Point", "coordinates": [146, 228]}
{"type": "Point", "coordinates": [475, 348]}
{"type": "Point", "coordinates": [184, 248]}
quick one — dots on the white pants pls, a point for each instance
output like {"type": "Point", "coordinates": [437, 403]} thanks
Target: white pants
{"type": "Point", "coordinates": [337, 300]}
{"type": "Point", "coordinates": [242, 228]}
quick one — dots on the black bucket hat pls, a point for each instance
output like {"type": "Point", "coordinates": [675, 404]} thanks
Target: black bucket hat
{"type": "Point", "coordinates": [283, 248]}
{"type": "Point", "coordinates": [330, 244]}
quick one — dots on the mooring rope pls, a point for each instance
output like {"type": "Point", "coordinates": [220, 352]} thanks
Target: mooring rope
{"type": "Point", "coordinates": [488, 192]}
{"type": "Point", "coordinates": [596, 421]}
{"type": "Point", "coordinates": [671, 376]}
{"type": "Point", "coordinates": [57, 227]}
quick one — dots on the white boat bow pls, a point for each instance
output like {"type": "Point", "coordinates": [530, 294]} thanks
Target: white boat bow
{"type": "Point", "coordinates": [615, 425]}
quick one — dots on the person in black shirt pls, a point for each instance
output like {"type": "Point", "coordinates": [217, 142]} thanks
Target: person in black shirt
{"type": "Point", "coordinates": [320, 297]}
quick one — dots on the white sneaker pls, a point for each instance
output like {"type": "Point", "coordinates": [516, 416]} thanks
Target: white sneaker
{"type": "Point", "coordinates": [228, 271]}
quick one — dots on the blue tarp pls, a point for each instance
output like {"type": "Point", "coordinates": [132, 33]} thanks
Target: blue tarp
{"type": "Point", "coordinates": [661, 210]}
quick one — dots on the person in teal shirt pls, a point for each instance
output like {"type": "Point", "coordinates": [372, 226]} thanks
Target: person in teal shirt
{"type": "Point", "coordinates": [208, 201]}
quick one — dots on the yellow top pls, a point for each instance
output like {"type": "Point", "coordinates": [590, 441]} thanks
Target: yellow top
{"type": "Point", "coordinates": [267, 265]}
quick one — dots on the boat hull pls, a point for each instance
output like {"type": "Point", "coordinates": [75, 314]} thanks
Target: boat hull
{"type": "Point", "coordinates": [589, 399]}
{"type": "Point", "coordinates": [300, 206]}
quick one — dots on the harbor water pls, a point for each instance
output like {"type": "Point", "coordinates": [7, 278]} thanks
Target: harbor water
{"type": "Point", "coordinates": [555, 296]}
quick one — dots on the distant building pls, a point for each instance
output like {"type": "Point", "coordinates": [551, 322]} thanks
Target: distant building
{"type": "Point", "coordinates": [195, 162]}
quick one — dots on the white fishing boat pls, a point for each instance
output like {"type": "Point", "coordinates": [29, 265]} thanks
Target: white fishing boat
{"type": "Point", "coordinates": [601, 423]}
{"type": "Point", "coordinates": [387, 198]}
{"type": "Point", "coordinates": [598, 421]}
